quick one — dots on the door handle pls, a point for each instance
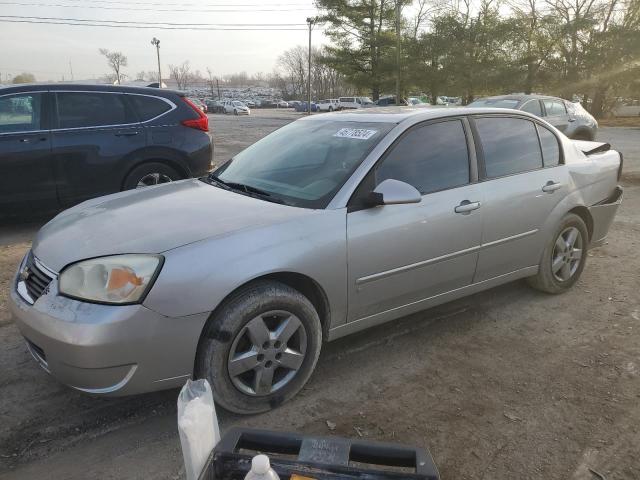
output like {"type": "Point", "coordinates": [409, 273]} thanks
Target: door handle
{"type": "Point", "coordinates": [127, 133]}
{"type": "Point", "coordinates": [467, 207]}
{"type": "Point", "coordinates": [551, 187]}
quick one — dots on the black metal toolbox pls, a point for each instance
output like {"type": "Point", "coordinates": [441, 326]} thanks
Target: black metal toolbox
{"type": "Point", "coordinates": [318, 458]}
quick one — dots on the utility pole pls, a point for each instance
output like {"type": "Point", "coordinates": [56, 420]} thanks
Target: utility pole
{"type": "Point", "coordinates": [218, 87]}
{"type": "Point", "coordinates": [156, 43]}
{"type": "Point", "coordinates": [310, 22]}
{"type": "Point", "coordinates": [397, 52]}
{"type": "Point", "coordinates": [71, 70]}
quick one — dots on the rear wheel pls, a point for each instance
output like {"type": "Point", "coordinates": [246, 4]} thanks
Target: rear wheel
{"type": "Point", "coordinates": [564, 257]}
{"type": "Point", "coordinates": [331, 109]}
{"type": "Point", "coordinates": [260, 347]}
{"type": "Point", "coordinates": [149, 174]}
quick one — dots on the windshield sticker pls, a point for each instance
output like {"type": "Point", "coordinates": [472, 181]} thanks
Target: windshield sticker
{"type": "Point", "coordinates": [358, 133]}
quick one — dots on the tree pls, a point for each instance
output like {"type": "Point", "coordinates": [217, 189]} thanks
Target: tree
{"type": "Point", "coordinates": [362, 33]}
{"type": "Point", "coordinates": [115, 60]}
{"type": "Point", "coordinates": [24, 77]}
{"type": "Point", "coordinates": [181, 74]}
{"type": "Point", "coordinates": [212, 81]}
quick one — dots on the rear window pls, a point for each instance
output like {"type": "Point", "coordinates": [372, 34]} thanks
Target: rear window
{"type": "Point", "coordinates": [91, 109]}
{"type": "Point", "coordinates": [495, 103]}
{"type": "Point", "coordinates": [149, 107]}
{"type": "Point", "coordinates": [554, 107]}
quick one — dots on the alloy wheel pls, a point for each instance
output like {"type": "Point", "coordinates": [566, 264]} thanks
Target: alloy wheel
{"type": "Point", "coordinates": [267, 353]}
{"type": "Point", "coordinates": [153, 179]}
{"type": "Point", "coordinates": [567, 254]}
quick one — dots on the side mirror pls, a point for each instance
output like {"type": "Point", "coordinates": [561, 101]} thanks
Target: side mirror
{"type": "Point", "coordinates": [395, 192]}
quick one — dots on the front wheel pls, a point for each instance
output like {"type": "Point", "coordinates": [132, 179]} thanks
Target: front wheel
{"type": "Point", "coordinates": [564, 256]}
{"type": "Point", "coordinates": [260, 347]}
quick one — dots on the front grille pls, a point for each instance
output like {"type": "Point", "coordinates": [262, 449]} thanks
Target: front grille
{"type": "Point", "coordinates": [36, 280]}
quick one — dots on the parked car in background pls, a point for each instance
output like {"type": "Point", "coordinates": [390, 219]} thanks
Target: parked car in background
{"type": "Point", "coordinates": [250, 103]}
{"type": "Point", "coordinates": [63, 144]}
{"type": "Point", "coordinates": [236, 107]}
{"type": "Point", "coordinates": [328, 105]}
{"type": "Point", "coordinates": [240, 276]}
{"type": "Point", "coordinates": [294, 103]}
{"type": "Point", "coordinates": [282, 104]}
{"type": "Point", "coordinates": [415, 101]}
{"type": "Point", "coordinates": [302, 107]}
{"type": "Point", "coordinates": [199, 103]}
{"type": "Point", "coordinates": [568, 117]}
{"type": "Point", "coordinates": [215, 106]}
{"type": "Point", "coordinates": [347, 103]}
{"type": "Point", "coordinates": [389, 101]}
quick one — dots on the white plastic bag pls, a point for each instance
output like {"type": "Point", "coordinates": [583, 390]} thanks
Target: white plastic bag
{"type": "Point", "coordinates": [198, 425]}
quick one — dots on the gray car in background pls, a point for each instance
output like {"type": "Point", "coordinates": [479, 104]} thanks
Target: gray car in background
{"type": "Point", "coordinates": [328, 226]}
{"type": "Point", "coordinates": [568, 117]}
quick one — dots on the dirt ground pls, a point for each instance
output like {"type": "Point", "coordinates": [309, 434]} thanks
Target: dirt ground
{"type": "Point", "coordinates": [506, 384]}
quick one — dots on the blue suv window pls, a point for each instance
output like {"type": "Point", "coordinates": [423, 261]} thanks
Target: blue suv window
{"type": "Point", "coordinates": [149, 107]}
{"type": "Point", "coordinates": [91, 109]}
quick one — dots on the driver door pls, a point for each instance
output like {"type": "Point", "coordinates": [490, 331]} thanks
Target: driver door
{"type": "Point", "coordinates": [401, 256]}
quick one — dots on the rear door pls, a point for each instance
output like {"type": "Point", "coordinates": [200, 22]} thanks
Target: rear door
{"type": "Point", "coordinates": [26, 170]}
{"type": "Point", "coordinates": [523, 181]}
{"type": "Point", "coordinates": [556, 113]}
{"type": "Point", "coordinates": [95, 133]}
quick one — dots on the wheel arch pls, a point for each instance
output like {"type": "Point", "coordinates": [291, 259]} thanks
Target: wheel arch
{"type": "Point", "coordinates": [583, 212]}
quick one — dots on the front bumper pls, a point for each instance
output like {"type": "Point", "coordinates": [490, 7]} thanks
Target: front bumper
{"type": "Point", "coordinates": [107, 349]}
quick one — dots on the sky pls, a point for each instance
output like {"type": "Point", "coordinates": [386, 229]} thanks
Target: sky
{"type": "Point", "coordinates": [51, 52]}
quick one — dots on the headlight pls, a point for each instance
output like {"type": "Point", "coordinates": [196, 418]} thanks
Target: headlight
{"type": "Point", "coordinates": [119, 279]}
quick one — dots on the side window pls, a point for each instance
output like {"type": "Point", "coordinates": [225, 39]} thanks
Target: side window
{"type": "Point", "coordinates": [510, 145]}
{"type": "Point", "coordinates": [532, 106]}
{"type": "Point", "coordinates": [91, 109]}
{"type": "Point", "coordinates": [550, 147]}
{"type": "Point", "coordinates": [20, 113]}
{"type": "Point", "coordinates": [429, 157]}
{"type": "Point", "coordinates": [149, 107]}
{"type": "Point", "coordinates": [554, 107]}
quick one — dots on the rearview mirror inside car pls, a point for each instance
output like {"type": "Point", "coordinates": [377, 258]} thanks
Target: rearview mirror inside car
{"type": "Point", "coordinates": [395, 192]}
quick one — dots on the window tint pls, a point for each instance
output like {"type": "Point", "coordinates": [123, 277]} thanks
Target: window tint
{"type": "Point", "coordinates": [554, 107]}
{"type": "Point", "coordinates": [510, 145]}
{"type": "Point", "coordinates": [430, 157]}
{"type": "Point", "coordinates": [532, 106]}
{"type": "Point", "coordinates": [149, 107]}
{"type": "Point", "coordinates": [550, 147]}
{"type": "Point", "coordinates": [91, 109]}
{"type": "Point", "coordinates": [20, 113]}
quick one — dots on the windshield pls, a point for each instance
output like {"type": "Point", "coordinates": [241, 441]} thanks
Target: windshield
{"type": "Point", "coordinates": [495, 103]}
{"type": "Point", "coordinates": [303, 164]}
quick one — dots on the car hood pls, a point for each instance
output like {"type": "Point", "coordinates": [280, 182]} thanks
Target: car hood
{"type": "Point", "coordinates": [152, 220]}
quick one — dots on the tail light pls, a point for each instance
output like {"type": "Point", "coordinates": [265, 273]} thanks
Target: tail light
{"type": "Point", "coordinates": [200, 123]}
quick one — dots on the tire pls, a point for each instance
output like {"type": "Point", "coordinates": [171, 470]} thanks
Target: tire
{"type": "Point", "coordinates": [331, 109]}
{"type": "Point", "coordinates": [235, 112]}
{"type": "Point", "coordinates": [558, 270]}
{"type": "Point", "coordinates": [152, 173]}
{"type": "Point", "coordinates": [237, 330]}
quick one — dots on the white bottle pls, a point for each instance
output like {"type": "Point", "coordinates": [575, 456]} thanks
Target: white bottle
{"type": "Point", "coordinates": [261, 469]}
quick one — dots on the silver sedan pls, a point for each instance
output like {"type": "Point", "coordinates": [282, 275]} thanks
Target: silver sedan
{"type": "Point", "coordinates": [326, 227]}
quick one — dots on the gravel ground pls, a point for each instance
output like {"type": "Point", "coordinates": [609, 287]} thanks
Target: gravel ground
{"type": "Point", "coordinates": [509, 383]}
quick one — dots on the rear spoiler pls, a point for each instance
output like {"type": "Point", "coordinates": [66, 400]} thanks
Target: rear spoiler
{"type": "Point", "coordinates": [591, 148]}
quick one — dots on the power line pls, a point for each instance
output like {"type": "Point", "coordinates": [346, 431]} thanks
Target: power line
{"type": "Point", "coordinates": [164, 4]}
{"type": "Point", "coordinates": [126, 22]}
{"type": "Point", "coordinates": [216, 10]}
{"type": "Point", "coordinates": [158, 27]}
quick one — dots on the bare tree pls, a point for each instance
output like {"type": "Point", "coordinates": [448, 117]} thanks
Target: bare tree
{"type": "Point", "coordinates": [212, 82]}
{"type": "Point", "coordinates": [116, 61]}
{"type": "Point", "coordinates": [181, 74]}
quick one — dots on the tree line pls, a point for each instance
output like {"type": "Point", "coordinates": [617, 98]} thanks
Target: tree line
{"type": "Point", "coordinates": [577, 49]}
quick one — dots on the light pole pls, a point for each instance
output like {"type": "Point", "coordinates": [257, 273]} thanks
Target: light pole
{"type": "Point", "coordinates": [310, 21]}
{"type": "Point", "coordinates": [156, 43]}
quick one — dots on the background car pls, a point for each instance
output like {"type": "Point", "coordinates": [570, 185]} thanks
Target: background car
{"type": "Point", "coordinates": [215, 106]}
{"type": "Point", "coordinates": [328, 105]}
{"type": "Point", "coordinates": [199, 103]}
{"type": "Point", "coordinates": [568, 117]}
{"type": "Point", "coordinates": [302, 107]}
{"type": "Point", "coordinates": [63, 144]}
{"type": "Point", "coordinates": [282, 104]}
{"type": "Point", "coordinates": [330, 225]}
{"type": "Point", "coordinates": [236, 107]}
{"type": "Point", "coordinates": [346, 103]}
{"type": "Point", "coordinates": [389, 101]}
